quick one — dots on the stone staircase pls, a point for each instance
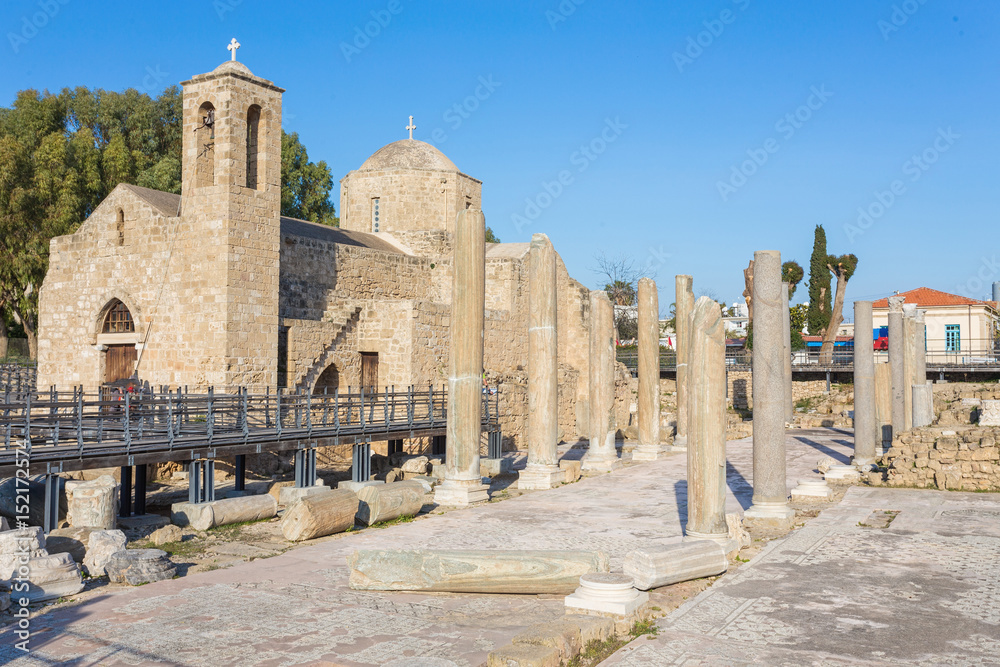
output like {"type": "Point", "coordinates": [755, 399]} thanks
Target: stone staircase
{"type": "Point", "coordinates": [313, 343]}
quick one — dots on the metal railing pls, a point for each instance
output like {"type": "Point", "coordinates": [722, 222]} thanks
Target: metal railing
{"type": "Point", "coordinates": [980, 354]}
{"type": "Point", "coordinates": [78, 430]}
{"type": "Point", "coordinates": [18, 376]}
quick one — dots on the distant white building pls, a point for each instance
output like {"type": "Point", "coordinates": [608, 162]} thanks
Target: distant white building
{"type": "Point", "coordinates": [736, 320]}
{"type": "Point", "coordinates": [956, 328]}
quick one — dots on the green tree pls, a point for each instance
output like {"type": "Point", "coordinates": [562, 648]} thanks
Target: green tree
{"type": "Point", "coordinates": [791, 273]}
{"type": "Point", "coordinates": [819, 285]}
{"type": "Point", "coordinates": [842, 268]}
{"type": "Point", "coordinates": [305, 185]}
{"type": "Point", "coordinates": [491, 237]}
{"type": "Point", "coordinates": [798, 316]}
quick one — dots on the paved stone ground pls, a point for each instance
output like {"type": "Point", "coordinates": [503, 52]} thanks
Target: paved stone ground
{"type": "Point", "coordinates": [296, 608]}
{"type": "Point", "coordinates": [846, 590]}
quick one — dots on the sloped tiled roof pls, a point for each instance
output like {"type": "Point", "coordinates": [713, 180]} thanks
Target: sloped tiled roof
{"type": "Point", "coordinates": [925, 296]}
{"type": "Point", "coordinates": [312, 230]}
{"type": "Point", "coordinates": [509, 250]}
{"type": "Point", "coordinates": [166, 203]}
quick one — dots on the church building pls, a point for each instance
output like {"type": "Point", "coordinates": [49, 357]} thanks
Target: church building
{"type": "Point", "coordinates": [214, 287]}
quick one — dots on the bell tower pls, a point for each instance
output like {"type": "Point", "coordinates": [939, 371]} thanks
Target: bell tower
{"type": "Point", "coordinates": [231, 194]}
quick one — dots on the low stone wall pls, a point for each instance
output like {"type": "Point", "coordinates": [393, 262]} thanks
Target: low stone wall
{"type": "Point", "coordinates": [960, 460]}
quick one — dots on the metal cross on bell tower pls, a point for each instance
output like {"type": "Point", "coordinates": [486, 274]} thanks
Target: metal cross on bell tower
{"type": "Point", "coordinates": [233, 45]}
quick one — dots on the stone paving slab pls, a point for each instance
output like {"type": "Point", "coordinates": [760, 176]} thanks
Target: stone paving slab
{"type": "Point", "coordinates": [296, 608]}
{"type": "Point", "coordinates": [925, 590]}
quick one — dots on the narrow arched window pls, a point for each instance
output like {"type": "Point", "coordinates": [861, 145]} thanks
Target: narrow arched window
{"type": "Point", "coordinates": [253, 144]}
{"type": "Point", "coordinates": [118, 319]}
{"type": "Point", "coordinates": [120, 227]}
{"type": "Point", "coordinates": [205, 143]}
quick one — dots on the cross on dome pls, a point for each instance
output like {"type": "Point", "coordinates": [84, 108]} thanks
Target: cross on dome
{"type": "Point", "coordinates": [233, 45]}
{"type": "Point", "coordinates": [411, 127]}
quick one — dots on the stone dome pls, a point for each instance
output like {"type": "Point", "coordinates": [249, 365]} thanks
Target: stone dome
{"type": "Point", "coordinates": [408, 154]}
{"type": "Point", "coordinates": [234, 66]}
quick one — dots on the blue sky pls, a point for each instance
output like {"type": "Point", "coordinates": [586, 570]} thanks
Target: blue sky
{"type": "Point", "coordinates": [687, 135]}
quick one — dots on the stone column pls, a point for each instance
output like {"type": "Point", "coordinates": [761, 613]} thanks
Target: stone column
{"type": "Point", "coordinates": [896, 364]}
{"type": "Point", "coordinates": [920, 347]}
{"type": "Point", "coordinates": [602, 454]}
{"type": "Point", "coordinates": [770, 495]}
{"type": "Point", "coordinates": [923, 404]}
{"type": "Point", "coordinates": [909, 360]}
{"type": "Point", "coordinates": [649, 448]}
{"type": "Point", "coordinates": [926, 395]}
{"type": "Point", "coordinates": [706, 452]}
{"type": "Point", "coordinates": [683, 305]}
{"type": "Point", "coordinates": [866, 428]}
{"type": "Point", "coordinates": [786, 339]}
{"type": "Point", "coordinates": [542, 471]}
{"type": "Point", "coordinates": [462, 483]}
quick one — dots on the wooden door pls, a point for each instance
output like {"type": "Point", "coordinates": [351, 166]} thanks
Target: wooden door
{"type": "Point", "coordinates": [369, 371]}
{"type": "Point", "coordinates": [119, 362]}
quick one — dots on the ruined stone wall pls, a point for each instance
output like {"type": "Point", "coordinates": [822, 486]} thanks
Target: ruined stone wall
{"type": "Point", "coordinates": [170, 272]}
{"type": "Point", "coordinates": [961, 460]}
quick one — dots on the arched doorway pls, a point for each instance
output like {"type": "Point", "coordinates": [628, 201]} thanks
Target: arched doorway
{"type": "Point", "coordinates": [328, 380]}
{"type": "Point", "coordinates": [119, 337]}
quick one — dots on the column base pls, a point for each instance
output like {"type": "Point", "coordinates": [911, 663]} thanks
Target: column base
{"type": "Point", "coordinates": [600, 463]}
{"type": "Point", "coordinates": [769, 515]}
{"type": "Point", "coordinates": [842, 474]}
{"type": "Point", "coordinates": [680, 443]}
{"type": "Point", "coordinates": [729, 545]}
{"type": "Point", "coordinates": [650, 452]}
{"type": "Point", "coordinates": [863, 464]}
{"type": "Point", "coordinates": [461, 493]}
{"type": "Point", "coordinates": [811, 489]}
{"type": "Point", "coordinates": [540, 476]}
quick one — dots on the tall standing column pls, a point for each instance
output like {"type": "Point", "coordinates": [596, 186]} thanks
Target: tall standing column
{"type": "Point", "coordinates": [786, 340]}
{"type": "Point", "coordinates": [683, 305]}
{"type": "Point", "coordinates": [923, 391]}
{"type": "Point", "coordinates": [909, 360]}
{"type": "Point", "coordinates": [865, 424]}
{"type": "Point", "coordinates": [770, 493]}
{"type": "Point", "coordinates": [649, 448]}
{"type": "Point", "coordinates": [542, 471]}
{"type": "Point", "coordinates": [602, 454]}
{"type": "Point", "coordinates": [462, 483]}
{"type": "Point", "coordinates": [897, 368]}
{"type": "Point", "coordinates": [706, 453]}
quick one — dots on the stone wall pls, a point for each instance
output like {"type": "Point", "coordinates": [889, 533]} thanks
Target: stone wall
{"type": "Point", "coordinates": [966, 459]}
